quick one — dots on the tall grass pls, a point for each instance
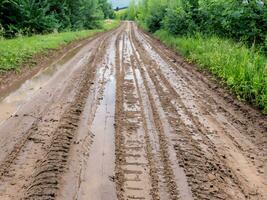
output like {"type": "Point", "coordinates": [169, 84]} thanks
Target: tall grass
{"type": "Point", "coordinates": [243, 69]}
{"type": "Point", "coordinates": [14, 52]}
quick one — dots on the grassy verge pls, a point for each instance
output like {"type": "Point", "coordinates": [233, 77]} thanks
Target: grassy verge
{"type": "Point", "coordinates": [244, 70]}
{"type": "Point", "coordinates": [14, 52]}
{"type": "Point", "coordinates": [121, 14]}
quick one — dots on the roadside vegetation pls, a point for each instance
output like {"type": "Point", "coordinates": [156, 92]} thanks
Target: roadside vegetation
{"type": "Point", "coordinates": [228, 38]}
{"type": "Point", "coordinates": [14, 52]}
{"type": "Point", "coordinates": [29, 27]}
{"type": "Point", "coordinates": [121, 14]}
{"type": "Point", "coordinates": [27, 17]}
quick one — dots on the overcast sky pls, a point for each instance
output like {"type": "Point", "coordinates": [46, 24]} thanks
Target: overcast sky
{"type": "Point", "coordinates": [119, 3]}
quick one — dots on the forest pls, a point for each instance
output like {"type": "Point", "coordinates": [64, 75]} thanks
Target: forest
{"type": "Point", "coordinates": [27, 17]}
{"type": "Point", "coordinates": [242, 20]}
{"type": "Point", "coordinates": [226, 37]}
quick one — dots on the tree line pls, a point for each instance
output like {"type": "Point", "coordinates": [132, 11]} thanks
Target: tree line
{"type": "Point", "coordinates": [20, 17]}
{"type": "Point", "coordinates": [241, 20]}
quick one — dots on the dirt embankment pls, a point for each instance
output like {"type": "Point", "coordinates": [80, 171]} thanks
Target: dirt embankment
{"type": "Point", "coordinates": [126, 118]}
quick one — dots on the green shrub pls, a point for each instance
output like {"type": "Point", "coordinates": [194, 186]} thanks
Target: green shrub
{"type": "Point", "coordinates": [178, 22]}
{"type": "Point", "coordinates": [26, 17]}
{"type": "Point", "coordinates": [244, 21]}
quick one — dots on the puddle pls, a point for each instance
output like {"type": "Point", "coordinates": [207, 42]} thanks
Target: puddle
{"type": "Point", "coordinates": [99, 178]}
{"type": "Point", "coordinates": [10, 103]}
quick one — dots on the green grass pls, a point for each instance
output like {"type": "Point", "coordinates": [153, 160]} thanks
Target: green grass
{"type": "Point", "coordinates": [14, 52]}
{"type": "Point", "coordinates": [243, 69]}
{"type": "Point", "coordinates": [120, 14]}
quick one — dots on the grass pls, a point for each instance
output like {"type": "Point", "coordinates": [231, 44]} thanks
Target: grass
{"type": "Point", "coordinates": [120, 13]}
{"type": "Point", "coordinates": [243, 69]}
{"type": "Point", "coordinates": [14, 52]}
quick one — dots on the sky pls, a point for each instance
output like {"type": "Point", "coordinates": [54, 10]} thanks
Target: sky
{"type": "Point", "coordinates": [119, 3]}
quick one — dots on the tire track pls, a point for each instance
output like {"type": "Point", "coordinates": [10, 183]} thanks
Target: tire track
{"type": "Point", "coordinates": [138, 106]}
{"type": "Point", "coordinates": [18, 166]}
{"type": "Point", "coordinates": [240, 116]}
{"type": "Point", "coordinates": [133, 165]}
{"type": "Point", "coordinates": [174, 107]}
{"type": "Point", "coordinates": [85, 178]}
{"type": "Point", "coordinates": [46, 178]}
{"type": "Point", "coordinates": [175, 136]}
{"type": "Point", "coordinates": [191, 162]}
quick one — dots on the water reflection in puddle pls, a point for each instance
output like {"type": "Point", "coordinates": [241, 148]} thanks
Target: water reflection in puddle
{"type": "Point", "coordinates": [12, 102]}
{"type": "Point", "coordinates": [99, 176]}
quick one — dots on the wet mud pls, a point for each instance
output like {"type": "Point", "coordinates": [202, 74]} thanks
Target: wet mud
{"type": "Point", "coordinates": [124, 117]}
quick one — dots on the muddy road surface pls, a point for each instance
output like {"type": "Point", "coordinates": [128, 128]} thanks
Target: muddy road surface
{"type": "Point", "coordinates": [123, 117]}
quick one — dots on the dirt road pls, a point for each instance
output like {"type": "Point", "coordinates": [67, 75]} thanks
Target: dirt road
{"type": "Point", "coordinates": [123, 117]}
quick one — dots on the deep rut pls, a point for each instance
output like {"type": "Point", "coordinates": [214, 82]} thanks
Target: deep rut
{"type": "Point", "coordinates": [126, 118]}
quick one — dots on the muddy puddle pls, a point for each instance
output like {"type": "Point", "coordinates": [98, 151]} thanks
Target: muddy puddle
{"type": "Point", "coordinates": [98, 173]}
{"type": "Point", "coordinates": [101, 163]}
{"type": "Point", "coordinates": [14, 99]}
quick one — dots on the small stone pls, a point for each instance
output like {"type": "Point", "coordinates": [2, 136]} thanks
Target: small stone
{"type": "Point", "coordinates": [211, 177]}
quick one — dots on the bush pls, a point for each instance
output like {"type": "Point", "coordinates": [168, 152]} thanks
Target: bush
{"type": "Point", "coordinates": [248, 22]}
{"type": "Point", "coordinates": [154, 20]}
{"type": "Point", "coordinates": [240, 20]}
{"type": "Point", "coordinates": [178, 22]}
{"type": "Point", "coordinates": [25, 17]}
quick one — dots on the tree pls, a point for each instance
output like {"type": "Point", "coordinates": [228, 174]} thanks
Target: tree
{"type": "Point", "coordinates": [107, 9]}
{"type": "Point", "coordinates": [44, 16]}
